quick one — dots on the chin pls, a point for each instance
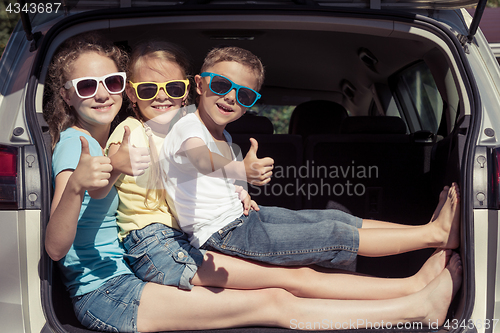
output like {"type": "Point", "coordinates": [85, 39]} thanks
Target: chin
{"type": "Point", "coordinates": [165, 118]}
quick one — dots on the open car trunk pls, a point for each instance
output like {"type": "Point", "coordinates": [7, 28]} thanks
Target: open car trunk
{"type": "Point", "coordinates": [380, 116]}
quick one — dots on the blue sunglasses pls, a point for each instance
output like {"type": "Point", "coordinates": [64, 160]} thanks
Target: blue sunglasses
{"type": "Point", "coordinates": [221, 85]}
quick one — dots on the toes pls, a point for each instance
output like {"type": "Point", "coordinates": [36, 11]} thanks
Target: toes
{"type": "Point", "coordinates": [444, 193]}
{"type": "Point", "coordinates": [456, 189]}
{"type": "Point", "coordinates": [442, 253]}
{"type": "Point", "coordinates": [453, 193]}
{"type": "Point", "coordinates": [455, 263]}
{"type": "Point", "coordinates": [448, 254]}
{"type": "Point", "coordinates": [455, 268]}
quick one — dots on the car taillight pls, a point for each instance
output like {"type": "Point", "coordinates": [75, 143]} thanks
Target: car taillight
{"type": "Point", "coordinates": [8, 177]}
{"type": "Point", "coordinates": [495, 180]}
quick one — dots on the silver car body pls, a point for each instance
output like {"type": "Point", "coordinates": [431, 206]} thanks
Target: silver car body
{"type": "Point", "coordinates": [25, 277]}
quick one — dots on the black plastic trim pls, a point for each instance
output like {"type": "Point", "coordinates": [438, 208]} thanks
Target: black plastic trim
{"type": "Point", "coordinates": [476, 19]}
{"type": "Point", "coordinates": [45, 264]}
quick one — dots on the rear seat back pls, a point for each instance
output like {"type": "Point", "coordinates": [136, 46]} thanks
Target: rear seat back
{"type": "Point", "coordinates": [373, 125]}
{"type": "Point", "coordinates": [317, 117]}
{"type": "Point", "coordinates": [286, 150]}
{"type": "Point", "coordinates": [373, 168]}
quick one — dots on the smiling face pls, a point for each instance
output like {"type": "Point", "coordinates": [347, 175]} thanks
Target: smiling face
{"type": "Point", "coordinates": [96, 112]}
{"type": "Point", "coordinates": [162, 108]}
{"type": "Point", "coordinates": [217, 111]}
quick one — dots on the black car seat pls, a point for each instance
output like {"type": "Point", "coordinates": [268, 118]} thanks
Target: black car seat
{"type": "Point", "coordinates": [317, 117]}
{"type": "Point", "coordinates": [285, 149]}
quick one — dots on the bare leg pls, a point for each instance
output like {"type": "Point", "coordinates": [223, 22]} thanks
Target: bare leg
{"type": "Point", "coordinates": [443, 232]}
{"type": "Point", "coordinates": [219, 270]}
{"type": "Point", "coordinates": [427, 306]}
{"type": "Point", "coordinates": [369, 224]}
{"type": "Point", "coordinates": [169, 308]}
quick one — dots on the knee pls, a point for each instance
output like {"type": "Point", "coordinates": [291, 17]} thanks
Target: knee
{"type": "Point", "coordinates": [279, 306]}
{"type": "Point", "coordinates": [276, 298]}
{"type": "Point", "coordinates": [298, 279]}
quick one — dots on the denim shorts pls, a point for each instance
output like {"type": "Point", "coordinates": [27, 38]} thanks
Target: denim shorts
{"type": "Point", "coordinates": [160, 254]}
{"type": "Point", "coordinates": [280, 236]}
{"type": "Point", "coordinates": [113, 306]}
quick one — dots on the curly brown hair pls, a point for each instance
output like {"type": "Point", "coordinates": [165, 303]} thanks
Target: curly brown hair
{"type": "Point", "coordinates": [58, 115]}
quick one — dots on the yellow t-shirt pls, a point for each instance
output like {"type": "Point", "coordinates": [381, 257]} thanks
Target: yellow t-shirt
{"type": "Point", "coordinates": [132, 212]}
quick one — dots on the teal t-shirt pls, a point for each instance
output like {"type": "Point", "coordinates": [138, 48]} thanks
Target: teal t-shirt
{"type": "Point", "coordinates": [96, 254]}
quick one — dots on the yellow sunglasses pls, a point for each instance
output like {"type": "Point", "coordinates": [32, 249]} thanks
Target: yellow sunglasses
{"type": "Point", "coordinates": [149, 90]}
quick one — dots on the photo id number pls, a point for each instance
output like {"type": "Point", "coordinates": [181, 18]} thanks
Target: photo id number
{"type": "Point", "coordinates": [33, 8]}
{"type": "Point", "coordinates": [479, 324]}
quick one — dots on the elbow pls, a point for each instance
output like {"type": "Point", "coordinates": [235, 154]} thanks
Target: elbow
{"type": "Point", "coordinates": [97, 195]}
{"type": "Point", "coordinates": [53, 254]}
{"type": "Point", "coordinates": [203, 166]}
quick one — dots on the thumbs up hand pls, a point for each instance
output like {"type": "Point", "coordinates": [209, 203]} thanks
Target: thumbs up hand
{"type": "Point", "coordinates": [258, 170]}
{"type": "Point", "coordinates": [92, 172]}
{"type": "Point", "coordinates": [129, 159]}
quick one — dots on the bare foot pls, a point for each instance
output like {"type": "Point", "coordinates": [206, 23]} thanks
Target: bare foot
{"type": "Point", "coordinates": [447, 224]}
{"type": "Point", "coordinates": [440, 292]}
{"type": "Point", "coordinates": [442, 200]}
{"type": "Point", "coordinates": [431, 269]}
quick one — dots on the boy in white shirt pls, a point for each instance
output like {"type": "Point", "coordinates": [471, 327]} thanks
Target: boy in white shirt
{"type": "Point", "coordinates": [200, 169]}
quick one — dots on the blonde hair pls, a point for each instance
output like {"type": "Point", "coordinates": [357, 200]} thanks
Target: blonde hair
{"type": "Point", "coordinates": [236, 54]}
{"type": "Point", "coordinates": [161, 51]}
{"type": "Point", "coordinates": [57, 113]}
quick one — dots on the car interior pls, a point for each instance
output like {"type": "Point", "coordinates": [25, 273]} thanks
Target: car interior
{"type": "Point", "coordinates": [378, 123]}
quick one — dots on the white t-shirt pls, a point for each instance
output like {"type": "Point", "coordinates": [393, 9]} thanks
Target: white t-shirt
{"type": "Point", "coordinates": [201, 204]}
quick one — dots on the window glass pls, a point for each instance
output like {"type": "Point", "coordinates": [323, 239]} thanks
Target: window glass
{"type": "Point", "coordinates": [278, 114]}
{"type": "Point", "coordinates": [421, 97]}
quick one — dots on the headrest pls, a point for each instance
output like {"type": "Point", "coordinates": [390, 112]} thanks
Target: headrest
{"type": "Point", "coordinates": [373, 125]}
{"type": "Point", "coordinates": [317, 117]}
{"type": "Point", "coordinates": [251, 124]}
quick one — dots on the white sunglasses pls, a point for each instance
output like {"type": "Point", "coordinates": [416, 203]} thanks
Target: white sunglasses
{"type": "Point", "coordinates": [86, 87]}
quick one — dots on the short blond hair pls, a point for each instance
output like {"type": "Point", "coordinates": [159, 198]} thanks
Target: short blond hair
{"type": "Point", "coordinates": [239, 55]}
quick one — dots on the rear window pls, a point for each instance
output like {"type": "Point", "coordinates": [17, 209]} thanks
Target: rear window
{"type": "Point", "coordinates": [278, 114]}
{"type": "Point", "coordinates": [421, 102]}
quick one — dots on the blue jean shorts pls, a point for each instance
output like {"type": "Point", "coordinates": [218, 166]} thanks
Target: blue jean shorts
{"type": "Point", "coordinates": [113, 306]}
{"type": "Point", "coordinates": [280, 236]}
{"type": "Point", "coordinates": [160, 254]}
